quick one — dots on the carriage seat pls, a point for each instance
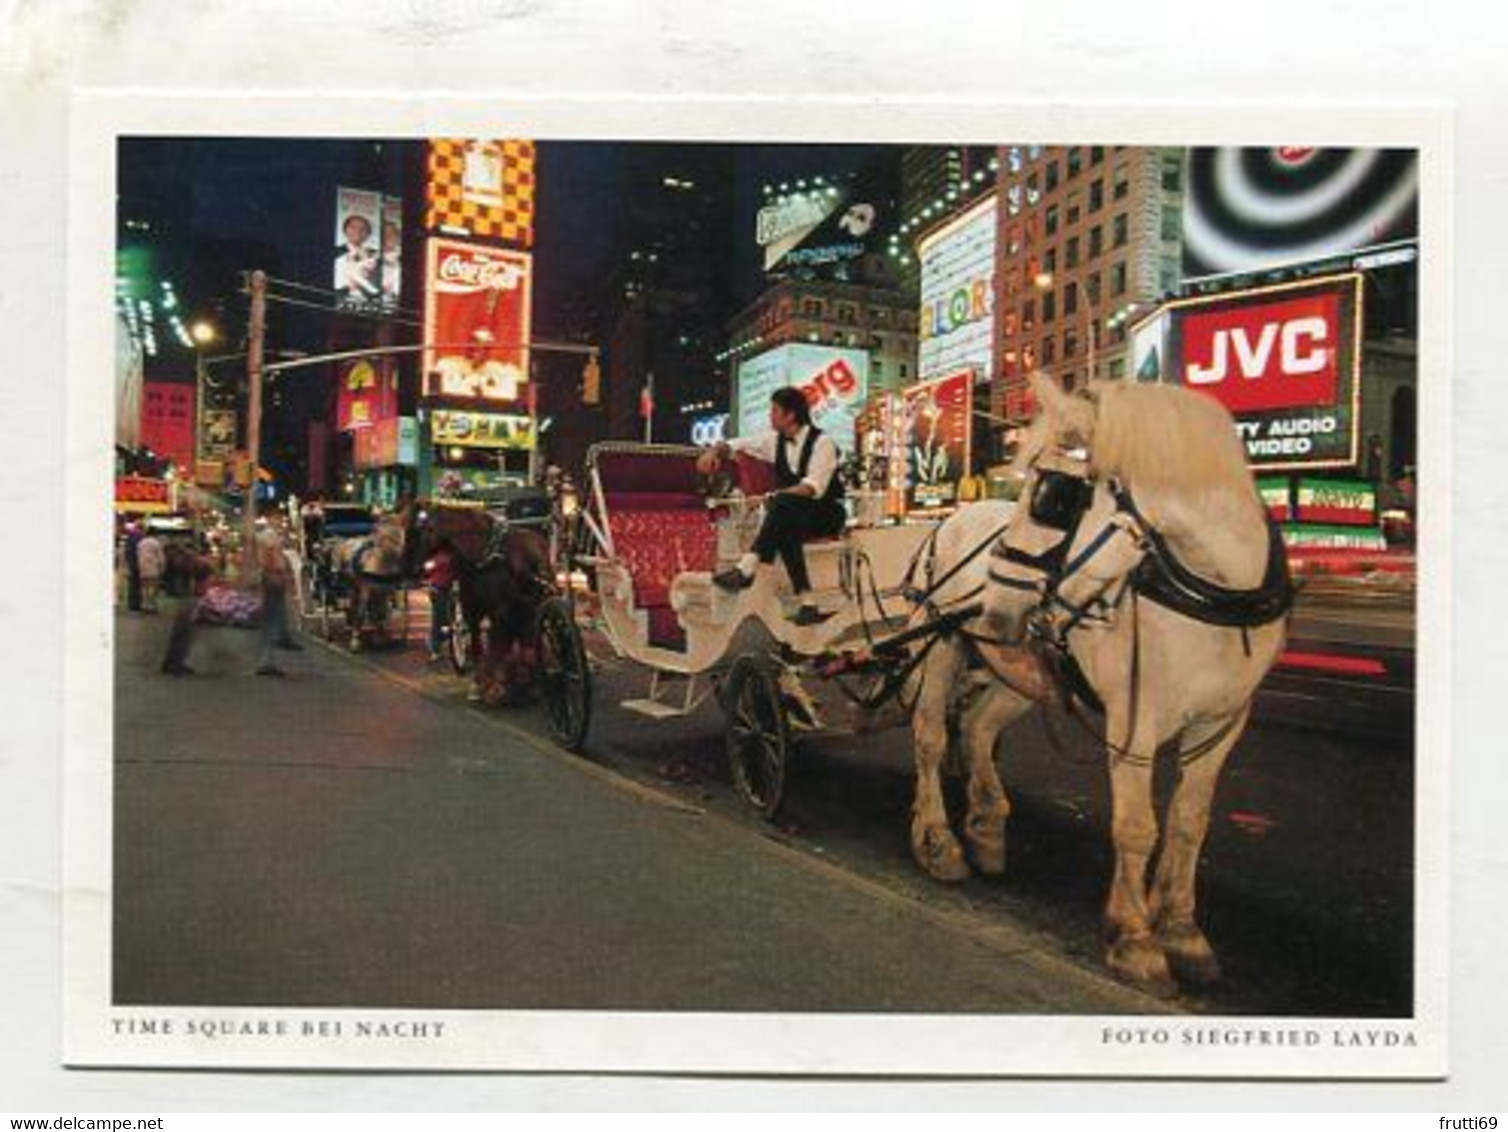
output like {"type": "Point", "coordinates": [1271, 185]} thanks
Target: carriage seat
{"type": "Point", "coordinates": [757, 477]}
{"type": "Point", "coordinates": [660, 528]}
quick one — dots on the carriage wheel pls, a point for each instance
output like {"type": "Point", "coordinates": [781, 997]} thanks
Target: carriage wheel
{"type": "Point", "coordinates": [565, 676]}
{"type": "Point", "coordinates": [460, 638]}
{"type": "Point", "coordinates": [759, 736]}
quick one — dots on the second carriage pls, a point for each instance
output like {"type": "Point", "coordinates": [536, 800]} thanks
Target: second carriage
{"type": "Point", "coordinates": [653, 532]}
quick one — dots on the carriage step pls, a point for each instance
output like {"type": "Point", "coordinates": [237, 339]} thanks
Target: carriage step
{"type": "Point", "coordinates": [654, 708]}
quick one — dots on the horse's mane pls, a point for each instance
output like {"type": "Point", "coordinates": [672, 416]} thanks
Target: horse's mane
{"type": "Point", "coordinates": [1166, 437]}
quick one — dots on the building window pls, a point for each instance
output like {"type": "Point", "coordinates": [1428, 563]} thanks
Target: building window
{"type": "Point", "coordinates": [812, 308]}
{"type": "Point", "coordinates": [1049, 351]}
{"type": "Point", "coordinates": [1122, 231]}
{"type": "Point", "coordinates": [903, 371]}
{"type": "Point", "coordinates": [1070, 343]}
{"type": "Point", "coordinates": [877, 369]}
{"type": "Point", "coordinates": [1072, 252]}
{"type": "Point", "coordinates": [1096, 195]}
{"type": "Point", "coordinates": [1049, 306]}
{"type": "Point", "coordinates": [1075, 161]}
{"type": "Point", "coordinates": [1092, 288]}
{"type": "Point", "coordinates": [846, 312]}
{"type": "Point", "coordinates": [1118, 279]}
{"type": "Point", "coordinates": [1172, 224]}
{"type": "Point", "coordinates": [1052, 176]}
{"type": "Point", "coordinates": [1172, 179]}
{"type": "Point", "coordinates": [1096, 241]}
{"type": "Point", "coordinates": [1050, 260]}
{"type": "Point", "coordinates": [879, 316]}
{"type": "Point", "coordinates": [1029, 314]}
{"type": "Point", "coordinates": [1033, 189]}
{"type": "Point", "coordinates": [1073, 212]}
{"type": "Point", "coordinates": [1122, 185]}
{"type": "Point", "coordinates": [1096, 154]}
{"type": "Point", "coordinates": [1051, 224]}
{"type": "Point", "coordinates": [1070, 298]}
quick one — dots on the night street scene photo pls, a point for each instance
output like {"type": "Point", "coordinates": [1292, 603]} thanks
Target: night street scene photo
{"type": "Point", "coordinates": [681, 578]}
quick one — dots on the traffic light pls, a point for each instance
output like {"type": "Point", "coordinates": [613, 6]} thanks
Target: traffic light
{"type": "Point", "coordinates": [591, 382]}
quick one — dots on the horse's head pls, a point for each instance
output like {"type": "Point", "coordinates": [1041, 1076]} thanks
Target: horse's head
{"type": "Point", "coordinates": [1058, 491]}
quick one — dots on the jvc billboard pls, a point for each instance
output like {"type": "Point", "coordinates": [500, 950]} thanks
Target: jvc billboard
{"type": "Point", "coordinates": [1285, 361]}
{"type": "Point", "coordinates": [836, 383]}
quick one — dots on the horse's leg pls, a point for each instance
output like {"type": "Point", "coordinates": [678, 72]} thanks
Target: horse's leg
{"type": "Point", "coordinates": [932, 843]}
{"type": "Point", "coordinates": [1131, 950]}
{"type": "Point", "coordinates": [355, 602]}
{"type": "Point", "coordinates": [474, 647]}
{"type": "Point", "coordinates": [989, 805]}
{"type": "Point", "coordinates": [1188, 951]}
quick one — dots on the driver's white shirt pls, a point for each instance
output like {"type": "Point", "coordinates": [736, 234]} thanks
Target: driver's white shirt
{"type": "Point", "coordinates": [819, 473]}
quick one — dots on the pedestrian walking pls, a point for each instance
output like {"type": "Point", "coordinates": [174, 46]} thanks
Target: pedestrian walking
{"type": "Point", "coordinates": [133, 568]}
{"type": "Point", "coordinates": [272, 565]}
{"type": "Point", "coordinates": [151, 561]}
{"type": "Point", "coordinates": [181, 637]}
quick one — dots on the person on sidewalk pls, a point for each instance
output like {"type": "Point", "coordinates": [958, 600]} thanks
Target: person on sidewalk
{"type": "Point", "coordinates": [272, 565]}
{"type": "Point", "coordinates": [807, 503]}
{"type": "Point", "coordinates": [133, 567]}
{"type": "Point", "coordinates": [181, 637]}
{"type": "Point", "coordinates": [151, 562]}
{"type": "Point", "coordinates": [439, 577]}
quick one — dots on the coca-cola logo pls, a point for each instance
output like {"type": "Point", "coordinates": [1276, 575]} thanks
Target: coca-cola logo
{"type": "Point", "coordinates": [479, 273]}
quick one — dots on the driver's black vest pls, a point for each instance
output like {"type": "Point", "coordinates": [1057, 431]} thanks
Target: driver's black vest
{"type": "Point", "coordinates": [785, 477]}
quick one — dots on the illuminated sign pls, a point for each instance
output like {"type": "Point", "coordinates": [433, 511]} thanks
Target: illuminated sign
{"type": "Point", "coordinates": [481, 430]}
{"type": "Point", "coordinates": [835, 382]}
{"type": "Point", "coordinates": [1351, 502]}
{"type": "Point", "coordinates": [938, 417]}
{"type": "Point", "coordinates": [142, 495]}
{"type": "Point", "coordinates": [1285, 360]}
{"type": "Point", "coordinates": [482, 188]}
{"type": "Point", "coordinates": [167, 420]}
{"type": "Point", "coordinates": [476, 318]}
{"type": "Point", "coordinates": [366, 394]}
{"type": "Point", "coordinates": [710, 429]}
{"type": "Point", "coordinates": [1245, 209]}
{"type": "Point", "coordinates": [219, 433]}
{"type": "Point", "coordinates": [958, 295]}
{"type": "Point", "coordinates": [368, 249]}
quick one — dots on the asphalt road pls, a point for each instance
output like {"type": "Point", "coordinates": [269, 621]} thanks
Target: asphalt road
{"type": "Point", "coordinates": [1307, 882]}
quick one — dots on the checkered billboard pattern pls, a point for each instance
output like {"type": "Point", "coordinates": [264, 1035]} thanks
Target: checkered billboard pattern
{"type": "Point", "coordinates": [482, 188]}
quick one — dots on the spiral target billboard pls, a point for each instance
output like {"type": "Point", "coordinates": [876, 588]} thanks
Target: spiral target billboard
{"type": "Point", "coordinates": [1246, 209]}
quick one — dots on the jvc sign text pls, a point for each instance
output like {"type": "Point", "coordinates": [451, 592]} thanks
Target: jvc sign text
{"type": "Point", "coordinates": [1274, 355]}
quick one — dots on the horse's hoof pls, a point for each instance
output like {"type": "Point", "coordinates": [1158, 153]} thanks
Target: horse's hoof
{"type": "Point", "coordinates": [1141, 963]}
{"type": "Point", "coordinates": [1190, 956]}
{"type": "Point", "coordinates": [987, 851]}
{"type": "Point", "coordinates": [940, 857]}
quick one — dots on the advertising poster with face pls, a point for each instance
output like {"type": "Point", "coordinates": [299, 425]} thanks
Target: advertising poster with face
{"type": "Point", "coordinates": [357, 268]}
{"type": "Point", "coordinates": [938, 415]}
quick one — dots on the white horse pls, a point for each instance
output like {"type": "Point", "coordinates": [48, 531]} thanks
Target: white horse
{"type": "Point", "coordinates": [1140, 553]}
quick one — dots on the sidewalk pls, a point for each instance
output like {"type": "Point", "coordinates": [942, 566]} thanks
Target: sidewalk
{"type": "Point", "coordinates": [335, 839]}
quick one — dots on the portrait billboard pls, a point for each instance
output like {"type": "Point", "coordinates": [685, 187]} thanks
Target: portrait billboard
{"type": "Point", "coordinates": [957, 329]}
{"type": "Point", "coordinates": [476, 320]}
{"type": "Point", "coordinates": [366, 393]}
{"type": "Point", "coordinates": [357, 270]}
{"type": "Point", "coordinates": [835, 382]}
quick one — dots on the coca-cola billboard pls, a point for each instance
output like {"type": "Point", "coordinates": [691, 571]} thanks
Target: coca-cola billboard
{"type": "Point", "coordinates": [1284, 360]}
{"type": "Point", "coordinates": [476, 320]}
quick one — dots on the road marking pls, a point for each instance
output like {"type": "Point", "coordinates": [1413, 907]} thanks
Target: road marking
{"type": "Point", "coordinates": [1017, 944]}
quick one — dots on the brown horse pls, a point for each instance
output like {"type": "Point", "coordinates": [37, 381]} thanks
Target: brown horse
{"type": "Point", "coordinates": [502, 577]}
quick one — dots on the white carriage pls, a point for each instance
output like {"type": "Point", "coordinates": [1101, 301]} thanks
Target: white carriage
{"type": "Point", "coordinates": [653, 535]}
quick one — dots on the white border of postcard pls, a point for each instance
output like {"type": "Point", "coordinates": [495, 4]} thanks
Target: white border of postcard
{"type": "Point", "coordinates": [99, 1034]}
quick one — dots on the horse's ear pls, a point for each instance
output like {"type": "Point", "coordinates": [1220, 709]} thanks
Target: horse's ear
{"type": "Point", "coordinates": [1069, 418]}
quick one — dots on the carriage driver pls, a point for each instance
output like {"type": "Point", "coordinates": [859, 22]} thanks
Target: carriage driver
{"type": "Point", "coordinates": [807, 502]}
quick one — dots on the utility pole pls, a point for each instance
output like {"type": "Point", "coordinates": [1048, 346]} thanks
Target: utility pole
{"type": "Point", "coordinates": [256, 333]}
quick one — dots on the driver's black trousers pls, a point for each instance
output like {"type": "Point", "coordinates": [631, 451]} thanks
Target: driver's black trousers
{"type": "Point", "coordinates": [789, 520]}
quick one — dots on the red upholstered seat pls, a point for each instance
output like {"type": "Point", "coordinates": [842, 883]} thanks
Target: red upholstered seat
{"type": "Point", "coordinates": [660, 527]}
